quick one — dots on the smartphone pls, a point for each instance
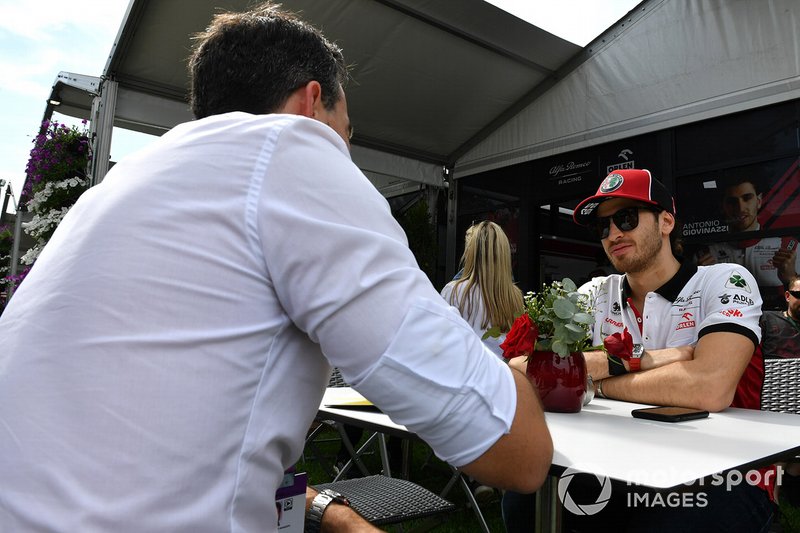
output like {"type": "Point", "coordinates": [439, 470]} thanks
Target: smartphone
{"type": "Point", "coordinates": [669, 414]}
{"type": "Point", "coordinates": [788, 243]}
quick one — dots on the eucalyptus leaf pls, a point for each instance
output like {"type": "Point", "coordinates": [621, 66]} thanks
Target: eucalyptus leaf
{"type": "Point", "coordinates": [574, 328]}
{"type": "Point", "coordinates": [560, 348]}
{"type": "Point", "coordinates": [563, 308]}
{"type": "Point", "coordinates": [562, 317]}
{"type": "Point", "coordinates": [492, 332]}
{"type": "Point", "coordinates": [544, 345]}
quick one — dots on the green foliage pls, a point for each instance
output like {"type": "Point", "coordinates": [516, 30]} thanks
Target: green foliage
{"type": "Point", "coordinates": [6, 243]}
{"type": "Point", "coordinates": [789, 517]}
{"type": "Point", "coordinates": [562, 316]}
{"type": "Point", "coordinates": [416, 222]}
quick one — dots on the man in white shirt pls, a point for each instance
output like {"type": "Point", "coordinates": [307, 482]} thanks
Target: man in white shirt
{"type": "Point", "coordinates": [694, 331]}
{"type": "Point", "coordinates": [168, 351]}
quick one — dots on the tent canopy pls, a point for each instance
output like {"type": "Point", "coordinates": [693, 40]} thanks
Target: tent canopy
{"type": "Point", "coordinates": [430, 80]}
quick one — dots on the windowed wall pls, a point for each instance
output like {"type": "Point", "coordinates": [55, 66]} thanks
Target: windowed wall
{"type": "Point", "coordinates": [736, 181]}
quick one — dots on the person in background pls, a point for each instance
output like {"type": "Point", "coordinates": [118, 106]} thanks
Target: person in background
{"type": "Point", "coordinates": [773, 261]}
{"type": "Point", "coordinates": [692, 332]}
{"type": "Point", "coordinates": [780, 339]}
{"type": "Point", "coordinates": [467, 235]}
{"type": "Point", "coordinates": [166, 355]}
{"type": "Point", "coordinates": [485, 294]}
{"type": "Point", "coordinates": [780, 330]}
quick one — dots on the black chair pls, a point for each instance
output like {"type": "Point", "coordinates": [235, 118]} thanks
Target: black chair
{"type": "Point", "coordinates": [384, 500]}
{"type": "Point", "coordinates": [781, 390]}
{"type": "Point", "coordinates": [380, 499]}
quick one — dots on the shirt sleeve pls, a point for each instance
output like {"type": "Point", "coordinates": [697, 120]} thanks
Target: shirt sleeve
{"type": "Point", "coordinates": [731, 301]}
{"type": "Point", "coordinates": [341, 267]}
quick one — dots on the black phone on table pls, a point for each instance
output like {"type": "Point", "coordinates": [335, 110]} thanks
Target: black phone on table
{"type": "Point", "coordinates": [669, 414]}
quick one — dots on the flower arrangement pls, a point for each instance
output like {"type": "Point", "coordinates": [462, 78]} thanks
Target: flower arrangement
{"type": "Point", "coordinates": [557, 318]}
{"type": "Point", "coordinates": [55, 178]}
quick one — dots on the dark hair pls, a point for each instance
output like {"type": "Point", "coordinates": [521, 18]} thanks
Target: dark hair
{"type": "Point", "coordinates": [253, 61]}
{"type": "Point", "coordinates": [730, 179]}
{"type": "Point", "coordinates": [676, 239]}
{"type": "Point", "coordinates": [675, 236]}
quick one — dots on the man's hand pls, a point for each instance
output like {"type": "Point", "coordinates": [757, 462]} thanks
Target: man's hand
{"type": "Point", "coordinates": [704, 258]}
{"type": "Point", "coordinates": [784, 261]}
{"type": "Point", "coordinates": [338, 517]}
{"type": "Point", "coordinates": [520, 459]}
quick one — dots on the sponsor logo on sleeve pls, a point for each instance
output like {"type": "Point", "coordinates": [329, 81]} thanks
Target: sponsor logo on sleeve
{"type": "Point", "coordinates": [736, 281]}
{"type": "Point", "coordinates": [733, 313]}
{"type": "Point", "coordinates": [737, 299]}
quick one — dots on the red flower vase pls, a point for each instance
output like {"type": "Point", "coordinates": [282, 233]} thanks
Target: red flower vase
{"type": "Point", "coordinates": [561, 381]}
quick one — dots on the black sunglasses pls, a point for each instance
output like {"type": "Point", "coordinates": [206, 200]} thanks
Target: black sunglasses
{"type": "Point", "coordinates": [625, 219]}
{"type": "Point", "coordinates": [796, 294]}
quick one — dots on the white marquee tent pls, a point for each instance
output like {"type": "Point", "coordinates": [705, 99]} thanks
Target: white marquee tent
{"type": "Point", "coordinates": [465, 86]}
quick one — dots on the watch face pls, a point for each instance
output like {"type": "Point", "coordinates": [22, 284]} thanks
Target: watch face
{"type": "Point", "coordinates": [638, 350]}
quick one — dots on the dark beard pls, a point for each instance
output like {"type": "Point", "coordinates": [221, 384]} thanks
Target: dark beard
{"type": "Point", "coordinates": [647, 254]}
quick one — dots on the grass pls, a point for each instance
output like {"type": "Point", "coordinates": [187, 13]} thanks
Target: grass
{"type": "Point", "coordinates": [426, 470]}
{"type": "Point", "coordinates": [789, 518]}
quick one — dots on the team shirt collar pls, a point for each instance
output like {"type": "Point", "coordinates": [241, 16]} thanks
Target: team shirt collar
{"type": "Point", "coordinates": [671, 289]}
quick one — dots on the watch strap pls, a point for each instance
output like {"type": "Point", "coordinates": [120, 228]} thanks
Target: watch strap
{"type": "Point", "coordinates": [635, 361]}
{"type": "Point", "coordinates": [615, 366]}
{"type": "Point", "coordinates": [318, 506]}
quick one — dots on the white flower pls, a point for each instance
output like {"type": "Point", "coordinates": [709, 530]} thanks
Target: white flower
{"type": "Point", "coordinates": [39, 225]}
{"type": "Point", "coordinates": [43, 195]}
{"type": "Point", "coordinates": [31, 255]}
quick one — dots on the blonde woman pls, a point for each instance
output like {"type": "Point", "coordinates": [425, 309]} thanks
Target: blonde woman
{"type": "Point", "coordinates": [485, 294]}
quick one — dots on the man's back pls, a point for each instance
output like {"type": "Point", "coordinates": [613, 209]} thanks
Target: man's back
{"type": "Point", "coordinates": [147, 325]}
{"type": "Point", "coordinates": [163, 359]}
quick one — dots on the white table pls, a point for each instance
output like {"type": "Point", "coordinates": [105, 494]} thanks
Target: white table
{"type": "Point", "coordinates": [605, 440]}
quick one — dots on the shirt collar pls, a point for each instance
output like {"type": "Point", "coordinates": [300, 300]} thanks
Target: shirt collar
{"type": "Point", "coordinates": [671, 289]}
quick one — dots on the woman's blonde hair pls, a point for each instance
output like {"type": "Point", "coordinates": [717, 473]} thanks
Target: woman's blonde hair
{"type": "Point", "coordinates": [487, 268]}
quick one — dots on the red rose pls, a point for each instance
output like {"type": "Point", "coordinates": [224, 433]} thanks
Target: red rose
{"type": "Point", "coordinates": [619, 344]}
{"type": "Point", "coordinates": [521, 339]}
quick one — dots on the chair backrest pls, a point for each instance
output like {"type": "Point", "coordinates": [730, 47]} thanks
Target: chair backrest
{"type": "Point", "coordinates": [336, 379]}
{"type": "Point", "coordinates": [383, 500]}
{"type": "Point", "coordinates": [781, 390]}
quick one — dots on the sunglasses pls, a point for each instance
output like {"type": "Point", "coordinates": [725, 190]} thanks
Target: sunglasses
{"type": "Point", "coordinates": [626, 219]}
{"type": "Point", "coordinates": [796, 294]}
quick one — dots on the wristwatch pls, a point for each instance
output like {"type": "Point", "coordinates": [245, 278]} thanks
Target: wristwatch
{"type": "Point", "coordinates": [318, 506]}
{"type": "Point", "coordinates": [635, 361]}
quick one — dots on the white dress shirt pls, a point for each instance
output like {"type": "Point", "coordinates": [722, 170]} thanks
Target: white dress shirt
{"type": "Point", "coordinates": [163, 360]}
